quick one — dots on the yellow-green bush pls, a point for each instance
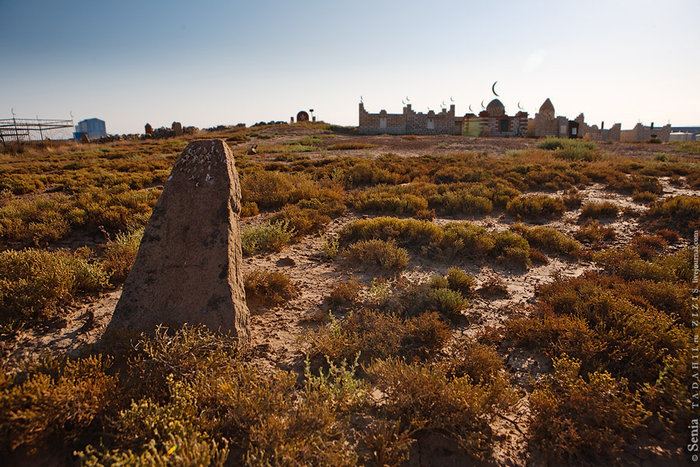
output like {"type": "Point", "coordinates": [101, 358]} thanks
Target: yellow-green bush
{"type": "Point", "coordinates": [268, 288]}
{"type": "Point", "coordinates": [34, 284]}
{"type": "Point", "coordinates": [266, 237]}
{"type": "Point", "coordinates": [119, 255]}
{"type": "Point", "coordinates": [59, 399]}
{"type": "Point", "coordinates": [577, 419]}
{"type": "Point", "coordinates": [376, 252]}
{"type": "Point", "coordinates": [536, 206]}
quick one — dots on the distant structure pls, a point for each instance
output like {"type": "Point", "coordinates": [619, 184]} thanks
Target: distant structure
{"type": "Point", "coordinates": [694, 130]}
{"type": "Point", "coordinates": [302, 116]}
{"type": "Point", "coordinates": [177, 128]}
{"type": "Point", "coordinates": [409, 122]}
{"type": "Point", "coordinates": [645, 133]}
{"type": "Point", "coordinates": [148, 129]}
{"type": "Point", "coordinates": [91, 128]}
{"type": "Point", "coordinates": [495, 122]}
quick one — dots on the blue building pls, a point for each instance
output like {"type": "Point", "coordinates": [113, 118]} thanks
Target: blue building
{"type": "Point", "coordinates": [92, 127]}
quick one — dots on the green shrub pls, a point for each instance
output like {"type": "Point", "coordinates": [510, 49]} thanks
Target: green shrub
{"type": "Point", "coordinates": [58, 398]}
{"type": "Point", "coordinates": [268, 288]}
{"type": "Point", "coordinates": [344, 293]}
{"type": "Point", "coordinates": [382, 253]}
{"type": "Point", "coordinates": [681, 213]}
{"type": "Point", "coordinates": [460, 281]}
{"type": "Point", "coordinates": [536, 206]}
{"type": "Point", "coordinates": [34, 284]}
{"type": "Point", "coordinates": [120, 254]}
{"type": "Point", "coordinates": [593, 232]}
{"type": "Point", "coordinates": [373, 334]}
{"type": "Point", "coordinates": [577, 419]}
{"type": "Point", "coordinates": [597, 210]}
{"type": "Point", "coordinates": [547, 239]}
{"type": "Point", "coordinates": [269, 236]}
{"type": "Point", "coordinates": [406, 204]}
{"type": "Point", "coordinates": [425, 395]}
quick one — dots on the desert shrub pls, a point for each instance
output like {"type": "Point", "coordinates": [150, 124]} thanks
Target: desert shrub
{"type": "Point", "coordinates": [349, 145]}
{"type": "Point", "coordinates": [669, 235]}
{"type": "Point", "coordinates": [593, 232]}
{"type": "Point", "coordinates": [119, 255]}
{"type": "Point", "coordinates": [55, 399]}
{"type": "Point", "coordinates": [381, 201]}
{"type": "Point", "coordinates": [34, 284]}
{"type": "Point", "coordinates": [300, 220]}
{"type": "Point", "coordinates": [374, 334]}
{"type": "Point", "coordinates": [268, 288]}
{"type": "Point", "coordinates": [460, 281]}
{"type": "Point", "coordinates": [645, 197]}
{"type": "Point", "coordinates": [449, 302]}
{"type": "Point", "coordinates": [608, 329]}
{"type": "Point", "coordinates": [382, 253]}
{"type": "Point", "coordinates": [405, 231]}
{"type": "Point", "coordinates": [547, 239]}
{"type": "Point", "coordinates": [426, 395]}
{"type": "Point", "coordinates": [571, 149]}
{"type": "Point", "coordinates": [627, 263]}
{"type": "Point", "coordinates": [268, 236]}
{"type": "Point", "coordinates": [493, 287]}
{"type": "Point", "coordinates": [596, 210]}
{"type": "Point", "coordinates": [536, 256]}
{"type": "Point", "coordinates": [551, 143]}
{"type": "Point", "coordinates": [195, 380]}
{"type": "Point", "coordinates": [635, 184]}
{"type": "Point", "coordinates": [366, 173]}
{"type": "Point", "coordinates": [249, 209]}
{"type": "Point", "coordinates": [682, 213]}
{"type": "Point", "coordinates": [536, 206]}
{"type": "Point", "coordinates": [344, 293]}
{"type": "Point", "coordinates": [648, 246]}
{"type": "Point", "coordinates": [572, 199]}
{"type": "Point", "coordinates": [176, 450]}
{"type": "Point", "coordinates": [268, 189]}
{"type": "Point", "coordinates": [330, 247]}
{"type": "Point", "coordinates": [411, 299]}
{"type": "Point", "coordinates": [511, 248]}
{"type": "Point", "coordinates": [473, 359]}
{"type": "Point", "coordinates": [583, 419]}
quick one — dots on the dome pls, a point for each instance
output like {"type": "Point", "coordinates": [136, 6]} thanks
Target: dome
{"type": "Point", "coordinates": [496, 108]}
{"type": "Point", "coordinates": [547, 109]}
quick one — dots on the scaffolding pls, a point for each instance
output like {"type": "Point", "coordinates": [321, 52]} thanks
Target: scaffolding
{"type": "Point", "coordinates": [28, 129]}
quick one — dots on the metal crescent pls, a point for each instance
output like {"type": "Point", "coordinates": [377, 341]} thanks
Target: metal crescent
{"type": "Point", "coordinates": [493, 88]}
{"type": "Point", "coordinates": [482, 105]}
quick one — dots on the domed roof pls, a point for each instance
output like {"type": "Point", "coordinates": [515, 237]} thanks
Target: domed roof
{"type": "Point", "coordinates": [496, 108]}
{"type": "Point", "coordinates": [547, 109]}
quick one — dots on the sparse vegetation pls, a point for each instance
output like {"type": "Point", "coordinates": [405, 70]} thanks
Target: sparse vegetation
{"type": "Point", "coordinates": [389, 369]}
{"type": "Point", "coordinates": [268, 288]}
{"type": "Point", "coordinates": [598, 210]}
{"type": "Point", "coordinates": [376, 252]}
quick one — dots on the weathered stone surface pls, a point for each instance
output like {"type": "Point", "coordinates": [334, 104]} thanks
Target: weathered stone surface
{"type": "Point", "coordinates": [188, 268]}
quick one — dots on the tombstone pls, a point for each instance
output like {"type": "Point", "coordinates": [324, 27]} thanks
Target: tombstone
{"type": "Point", "coordinates": [149, 129]}
{"type": "Point", "coordinates": [177, 128]}
{"type": "Point", "coordinates": [188, 267]}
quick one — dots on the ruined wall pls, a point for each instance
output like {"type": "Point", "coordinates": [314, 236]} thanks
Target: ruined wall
{"type": "Point", "coordinates": [642, 133]}
{"type": "Point", "coordinates": [408, 123]}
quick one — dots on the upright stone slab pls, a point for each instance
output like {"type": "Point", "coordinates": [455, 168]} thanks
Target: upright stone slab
{"type": "Point", "coordinates": [188, 268]}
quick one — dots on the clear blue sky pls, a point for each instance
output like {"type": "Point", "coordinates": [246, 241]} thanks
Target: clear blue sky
{"type": "Point", "coordinates": [222, 62]}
